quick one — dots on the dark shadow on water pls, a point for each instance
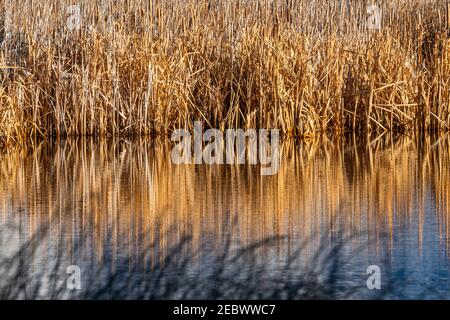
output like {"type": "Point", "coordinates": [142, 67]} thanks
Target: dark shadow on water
{"type": "Point", "coordinates": [180, 273]}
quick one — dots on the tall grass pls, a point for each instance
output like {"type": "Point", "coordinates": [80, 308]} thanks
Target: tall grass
{"type": "Point", "coordinates": [149, 66]}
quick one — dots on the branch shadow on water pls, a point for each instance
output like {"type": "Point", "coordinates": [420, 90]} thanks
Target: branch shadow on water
{"type": "Point", "coordinates": [182, 272]}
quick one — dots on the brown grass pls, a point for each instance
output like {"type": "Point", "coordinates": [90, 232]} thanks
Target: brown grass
{"type": "Point", "coordinates": [148, 67]}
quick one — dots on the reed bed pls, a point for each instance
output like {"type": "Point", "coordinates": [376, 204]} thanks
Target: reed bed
{"type": "Point", "coordinates": [150, 66]}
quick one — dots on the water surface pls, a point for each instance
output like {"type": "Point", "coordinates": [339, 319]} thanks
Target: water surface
{"type": "Point", "coordinates": [390, 195]}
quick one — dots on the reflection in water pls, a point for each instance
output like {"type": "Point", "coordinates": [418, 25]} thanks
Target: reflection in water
{"type": "Point", "coordinates": [393, 192]}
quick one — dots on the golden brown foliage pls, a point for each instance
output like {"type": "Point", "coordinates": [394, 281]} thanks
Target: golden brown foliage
{"type": "Point", "coordinates": [150, 66]}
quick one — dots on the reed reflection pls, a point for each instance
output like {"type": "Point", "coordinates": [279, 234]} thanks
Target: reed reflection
{"type": "Point", "coordinates": [108, 192]}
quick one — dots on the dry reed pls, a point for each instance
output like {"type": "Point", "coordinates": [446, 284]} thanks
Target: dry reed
{"type": "Point", "coordinates": [149, 66]}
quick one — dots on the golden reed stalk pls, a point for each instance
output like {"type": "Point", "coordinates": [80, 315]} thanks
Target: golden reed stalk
{"type": "Point", "coordinates": [149, 66]}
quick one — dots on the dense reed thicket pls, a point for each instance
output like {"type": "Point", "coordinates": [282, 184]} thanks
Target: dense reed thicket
{"type": "Point", "coordinates": [149, 66]}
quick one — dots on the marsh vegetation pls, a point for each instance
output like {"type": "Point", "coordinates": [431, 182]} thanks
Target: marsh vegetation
{"type": "Point", "coordinates": [149, 67]}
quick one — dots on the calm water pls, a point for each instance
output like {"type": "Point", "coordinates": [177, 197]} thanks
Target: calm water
{"type": "Point", "coordinates": [390, 193]}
